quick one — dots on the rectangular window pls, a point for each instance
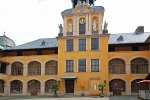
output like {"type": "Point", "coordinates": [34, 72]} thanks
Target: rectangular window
{"type": "Point", "coordinates": [82, 44]}
{"type": "Point", "coordinates": [94, 65]}
{"type": "Point", "coordinates": [82, 65]}
{"type": "Point", "coordinates": [19, 53]}
{"type": "Point", "coordinates": [94, 43]}
{"type": "Point", "coordinates": [69, 44]}
{"type": "Point", "coordinates": [110, 49]}
{"type": "Point", "coordinates": [135, 48]}
{"type": "Point", "coordinates": [39, 52]}
{"type": "Point", "coordinates": [69, 65]}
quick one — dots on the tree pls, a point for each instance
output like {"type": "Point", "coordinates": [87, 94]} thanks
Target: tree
{"type": "Point", "coordinates": [101, 86]}
{"type": "Point", "coordinates": [55, 88]}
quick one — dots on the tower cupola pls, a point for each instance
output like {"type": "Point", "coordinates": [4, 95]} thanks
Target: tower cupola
{"type": "Point", "coordinates": [88, 2]}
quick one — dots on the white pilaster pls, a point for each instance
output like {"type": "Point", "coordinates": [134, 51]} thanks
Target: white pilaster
{"type": "Point", "coordinates": [64, 26]}
{"type": "Point", "coordinates": [24, 89]}
{"type": "Point", "coordinates": [8, 89]}
{"type": "Point", "coordinates": [128, 69]}
{"type": "Point", "coordinates": [74, 24]}
{"type": "Point", "coordinates": [87, 24]}
{"type": "Point", "coordinates": [9, 69]}
{"type": "Point", "coordinates": [42, 70]}
{"type": "Point", "coordinates": [77, 25]}
{"type": "Point", "coordinates": [42, 92]}
{"type": "Point", "coordinates": [5, 89]}
{"type": "Point", "coordinates": [90, 24]}
{"type": "Point", "coordinates": [128, 89]}
{"type": "Point", "coordinates": [25, 70]}
{"type": "Point", "coordinates": [100, 23]}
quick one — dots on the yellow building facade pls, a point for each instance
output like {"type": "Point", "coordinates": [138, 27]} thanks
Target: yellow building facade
{"type": "Point", "coordinates": [83, 54]}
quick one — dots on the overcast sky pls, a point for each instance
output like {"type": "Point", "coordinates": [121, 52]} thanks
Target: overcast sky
{"type": "Point", "coordinates": [27, 20]}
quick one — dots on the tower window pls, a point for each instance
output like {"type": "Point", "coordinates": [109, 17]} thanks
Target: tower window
{"type": "Point", "coordinates": [82, 26]}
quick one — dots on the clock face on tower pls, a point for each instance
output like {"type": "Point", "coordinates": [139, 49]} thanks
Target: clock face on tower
{"type": "Point", "coordinates": [81, 10]}
{"type": "Point", "coordinates": [82, 20]}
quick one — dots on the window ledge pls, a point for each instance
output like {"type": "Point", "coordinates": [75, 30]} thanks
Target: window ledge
{"type": "Point", "coordinates": [69, 72]}
{"type": "Point", "coordinates": [117, 73]}
{"type": "Point", "coordinates": [70, 51]}
{"type": "Point", "coordinates": [81, 72]}
{"type": "Point", "coordinates": [96, 72]}
{"type": "Point", "coordinates": [82, 50]}
{"type": "Point", "coordinates": [95, 50]}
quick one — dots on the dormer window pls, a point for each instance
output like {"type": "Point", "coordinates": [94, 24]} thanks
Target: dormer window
{"type": "Point", "coordinates": [43, 43]}
{"type": "Point", "coordinates": [120, 38]}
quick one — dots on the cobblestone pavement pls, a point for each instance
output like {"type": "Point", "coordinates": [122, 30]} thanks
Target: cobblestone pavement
{"type": "Point", "coordinates": [70, 98]}
{"type": "Point", "coordinates": [124, 98]}
{"type": "Point", "coordinates": [53, 98]}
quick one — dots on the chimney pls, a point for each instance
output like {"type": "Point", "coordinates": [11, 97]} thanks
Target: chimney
{"type": "Point", "coordinates": [139, 30]}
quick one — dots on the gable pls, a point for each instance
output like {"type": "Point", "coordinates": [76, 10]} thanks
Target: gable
{"type": "Point", "coordinates": [148, 39]}
{"type": "Point", "coordinates": [82, 9]}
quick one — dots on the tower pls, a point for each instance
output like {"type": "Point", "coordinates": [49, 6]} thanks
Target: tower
{"type": "Point", "coordinates": [90, 2]}
{"type": "Point", "coordinates": [82, 19]}
{"type": "Point", "coordinates": [82, 48]}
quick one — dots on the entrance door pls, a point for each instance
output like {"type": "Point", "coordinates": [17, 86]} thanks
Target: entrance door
{"type": "Point", "coordinates": [117, 90]}
{"type": "Point", "coordinates": [69, 86]}
{"type": "Point", "coordinates": [34, 91]}
{"type": "Point", "coordinates": [34, 87]}
{"type": "Point", "coordinates": [117, 86]}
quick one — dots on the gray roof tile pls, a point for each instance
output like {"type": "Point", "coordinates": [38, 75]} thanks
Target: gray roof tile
{"type": "Point", "coordinates": [49, 43]}
{"type": "Point", "coordinates": [128, 38]}
{"type": "Point", "coordinates": [113, 39]}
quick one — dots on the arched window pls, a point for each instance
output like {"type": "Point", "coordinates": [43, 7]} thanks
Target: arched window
{"type": "Point", "coordinates": [34, 87]}
{"type": "Point", "coordinates": [139, 65]}
{"type": "Point", "coordinates": [136, 87]}
{"type": "Point", "coordinates": [82, 26]}
{"type": "Point", "coordinates": [16, 86]}
{"type": "Point", "coordinates": [116, 66]}
{"type": "Point", "coordinates": [48, 85]}
{"type": "Point", "coordinates": [17, 68]}
{"type": "Point", "coordinates": [117, 86]}
{"type": "Point", "coordinates": [1, 86]}
{"type": "Point", "coordinates": [51, 68]}
{"type": "Point", "coordinates": [34, 68]}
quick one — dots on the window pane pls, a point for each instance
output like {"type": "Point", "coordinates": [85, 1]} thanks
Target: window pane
{"type": "Point", "coordinates": [69, 65]}
{"type": "Point", "coordinates": [139, 65]}
{"type": "Point", "coordinates": [82, 65]}
{"type": "Point", "coordinates": [16, 86]}
{"type": "Point", "coordinates": [94, 43]}
{"type": "Point", "coordinates": [69, 45]}
{"type": "Point", "coordinates": [82, 44]}
{"type": "Point", "coordinates": [94, 65]}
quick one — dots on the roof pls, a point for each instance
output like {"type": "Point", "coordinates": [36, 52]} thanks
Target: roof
{"type": "Point", "coordinates": [6, 42]}
{"type": "Point", "coordinates": [94, 9]}
{"type": "Point", "coordinates": [128, 38]}
{"type": "Point", "coordinates": [40, 43]}
{"type": "Point", "coordinates": [122, 38]}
